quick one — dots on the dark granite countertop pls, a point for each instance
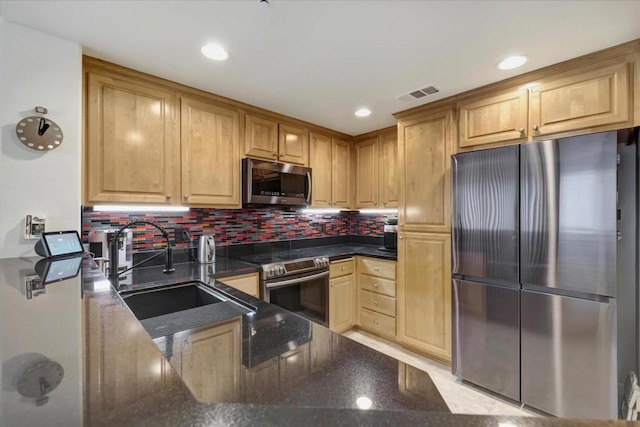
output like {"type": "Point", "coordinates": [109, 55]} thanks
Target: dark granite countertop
{"type": "Point", "coordinates": [114, 374]}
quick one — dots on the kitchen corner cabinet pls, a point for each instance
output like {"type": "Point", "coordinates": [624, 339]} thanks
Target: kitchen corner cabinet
{"type": "Point", "coordinates": [265, 139]}
{"type": "Point", "coordinates": [376, 170]}
{"type": "Point", "coordinates": [210, 362]}
{"type": "Point", "coordinates": [210, 145]}
{"type": "Point", "coordinates": [131, 140]}
{"type": "Point", "coordinates": [367, 164]}
{"type": "Point", "coordinates": [330, 163]}
{"type": "Point", "coordinates": [342, 295]}
{"type": "Point", "coordinates": [424, 293]}
{"type": "Point", "coordinates": [424, 157]}
{"type": "Point", "coordinates": [581, 99]}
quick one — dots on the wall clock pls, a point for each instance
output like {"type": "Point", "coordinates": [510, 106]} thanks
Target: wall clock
{"type": "Point", "coordinates": [38, 132]}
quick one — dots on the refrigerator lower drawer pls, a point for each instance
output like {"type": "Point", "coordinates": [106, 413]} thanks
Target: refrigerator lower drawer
{"type": "Point", "coordinates": [568, 356]}
{"type": "Point", "coordinates": [486, 334]}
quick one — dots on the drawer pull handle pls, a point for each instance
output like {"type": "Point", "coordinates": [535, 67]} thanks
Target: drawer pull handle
{"type": "Point", "coordinates": [344, 268]}
{"type": "Point", "coordinates": [375, 285]}
{"type": "Point", "coordinates": [375, 321]}
{"type": "Point", "coordinates": [375, 302]}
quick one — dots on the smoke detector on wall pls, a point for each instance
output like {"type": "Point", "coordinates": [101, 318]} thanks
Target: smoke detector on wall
{"type": "Point", "coordinates": [419, 93]}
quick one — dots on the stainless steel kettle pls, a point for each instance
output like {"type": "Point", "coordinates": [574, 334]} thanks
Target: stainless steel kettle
{"type": "Point", "coordinates": [206, 249]}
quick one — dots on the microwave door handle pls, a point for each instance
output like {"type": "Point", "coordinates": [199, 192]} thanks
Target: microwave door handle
{"type": "Point", "coordinates": [308, 187]}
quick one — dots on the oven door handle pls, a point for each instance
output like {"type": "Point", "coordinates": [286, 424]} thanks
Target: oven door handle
{"type": "Point", "coordinates": [298, 280]}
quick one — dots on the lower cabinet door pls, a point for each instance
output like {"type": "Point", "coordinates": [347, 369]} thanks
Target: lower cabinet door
{"type": "Point", "coordinates": [342, 303]}
{"type": "Point", "coordinates": [486, 336]}
{"type": "Point", "coordinates": [568, 356]}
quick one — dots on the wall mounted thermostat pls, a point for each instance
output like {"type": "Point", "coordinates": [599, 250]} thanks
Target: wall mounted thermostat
{"type": "Point", "coordinates": [34, 227]}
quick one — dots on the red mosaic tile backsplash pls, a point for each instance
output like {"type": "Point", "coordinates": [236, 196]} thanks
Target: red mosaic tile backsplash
{"type": "Point", "coordinates": [235, 226]}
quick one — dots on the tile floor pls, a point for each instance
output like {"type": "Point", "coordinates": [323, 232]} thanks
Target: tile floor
{"type": "Point", "coordinates": [461, 398]}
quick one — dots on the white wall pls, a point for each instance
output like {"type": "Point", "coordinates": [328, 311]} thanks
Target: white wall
{"type": "Point", "coordinates": [38, 69]}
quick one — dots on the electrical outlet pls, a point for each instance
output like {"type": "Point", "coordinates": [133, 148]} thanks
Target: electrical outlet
{"type": "Point", "coordinates": [182, 235]}
{"type": "Point", "coordinates": [34, 226]}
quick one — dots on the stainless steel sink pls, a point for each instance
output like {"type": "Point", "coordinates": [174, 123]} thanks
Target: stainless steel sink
{"type": "Point", "coordinates": [150, 303]}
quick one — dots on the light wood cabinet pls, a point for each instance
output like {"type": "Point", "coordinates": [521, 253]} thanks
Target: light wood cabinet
{"type": "Point", "coordinates": [388, 168]}
{"type": "Point", "coordinates": [376, 170]}
{"type": "Point", "coordinates": [424, 158]}
{"type": "Point", "coordinates": [320, 161]}
{"type": "Point", "coordinates": [377, 296]}
{"type": "Point", "coordinates": [494, 118]}
{"type": "Point", "coordinates": [340, 172]}
{"type": "Point", "coordinates": [293, 145]}
{"type": "Point", "coordinates": [424, 293]}
{"type": "Point", "coordinates": [342, 295]}
{"type": "Point", "coordinates": [210, 146]}
{"type": "Point", "coordinates": [367, 166]}
{"type": "Point", "coordinates": [260, 137]}
{"type": "Point", "coordinates": [581, 99]}
{"type": "Point", "coordinates": [210, 362]}
{"type": "Point", "coordinates": [247, 283]}
{"type": "Point", "coordinates": [330, 160]}
{"type": "Point", "coordinates": [131, 141]}
{"type": "Point", "coordinates": [266, 139]}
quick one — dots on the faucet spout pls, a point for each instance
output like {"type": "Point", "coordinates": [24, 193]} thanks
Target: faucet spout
{"type": "Point", "coordinates": [168, 260]}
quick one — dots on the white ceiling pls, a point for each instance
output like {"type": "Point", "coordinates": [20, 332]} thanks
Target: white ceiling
{"type": "Point", "coordinates": [321, 60]}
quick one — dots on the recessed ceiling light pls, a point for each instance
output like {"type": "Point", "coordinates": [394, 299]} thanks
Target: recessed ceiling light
{"type": "Point", "coordinates": [214, 51]}
{"type": "Point", "coordinates": [363, 112]}
{"type": "Point", "coordinates": [512, 62]}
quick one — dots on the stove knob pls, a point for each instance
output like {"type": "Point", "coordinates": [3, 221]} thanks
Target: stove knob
{"type": "Point", "coordinates": [279, 270]}
{"type": "Point", "coordinates": [325, 262]}
{"type": "Point", "coordinates": [269, 271]}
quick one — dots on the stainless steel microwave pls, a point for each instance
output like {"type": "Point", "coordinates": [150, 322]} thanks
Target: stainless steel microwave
{"type": "Point", "coordinates": [272, 183]}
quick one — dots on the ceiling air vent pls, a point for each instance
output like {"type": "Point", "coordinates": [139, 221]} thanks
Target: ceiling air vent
{"type": "Point", "coordinates": [420, 93]}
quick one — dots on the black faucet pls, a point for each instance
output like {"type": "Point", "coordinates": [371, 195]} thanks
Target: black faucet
{"type": "Point", "coordinates": [113, 249]}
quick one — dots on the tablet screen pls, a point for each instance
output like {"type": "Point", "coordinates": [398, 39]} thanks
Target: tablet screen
{"type": "Point", "coordinates": [63, 243]}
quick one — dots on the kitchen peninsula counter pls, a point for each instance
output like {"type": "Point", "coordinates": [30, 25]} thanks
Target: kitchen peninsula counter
{"type": "Point", "coordinates": [114, 374]}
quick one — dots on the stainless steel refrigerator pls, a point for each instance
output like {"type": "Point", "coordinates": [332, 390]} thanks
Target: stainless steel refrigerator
{"type": "Point", "coordinates": [534, 273]}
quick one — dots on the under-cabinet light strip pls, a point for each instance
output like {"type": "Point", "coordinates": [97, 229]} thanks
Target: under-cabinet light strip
{"type": "Point", "coordinates": [378, 211]}
{"type": "Point", "coordinates": [319, 211]}
{"type": "Point", "coordinates": [139, 208]}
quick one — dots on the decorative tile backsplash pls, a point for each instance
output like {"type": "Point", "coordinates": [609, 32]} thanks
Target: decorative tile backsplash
{"type": "Point", "coordinates": [235, 226]}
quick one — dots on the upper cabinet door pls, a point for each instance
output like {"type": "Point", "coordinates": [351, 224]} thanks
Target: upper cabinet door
{"type": "Point", "coordinates": [579, 100]}
{"type": "Point", "coordinates": [260, 138]}
{"type": "Point", "coordinates": [131, 141]}
{"type": "Point", "coordinates": [494, 119]}
{"type": "Point", "coordinates": [424, 158]}
{"type": "Point", "coordinates": [366, 153]}
{"type": "Point", "coordinates": [388, 195]}
{"type": "Point", "coordinates": [210, 154]}
{"type": "Point", "coordinates": [320, 163]}
{"type": "Point", "coordinates": [293, 145]}
{"type": "Point", "coordinates": [341, 162]}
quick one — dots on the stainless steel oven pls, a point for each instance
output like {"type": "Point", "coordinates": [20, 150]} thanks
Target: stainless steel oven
{"type": "Point", "coordinates": [272, 183]}
{"type": "Point", "coordinates": [300, 286]}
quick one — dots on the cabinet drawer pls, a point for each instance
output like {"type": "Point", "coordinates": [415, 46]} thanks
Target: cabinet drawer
{"type": "Point", "coordinates": [247, 283]}
{"type": "Point", "coordinates": [377, 302]}
{"type": "Point", "coordinates": [377, 322]}
{"type": "Point", "coordinates": [376, 284]}
{"type": "Point", "coordinates": [377, 267]}
{"type": "Point", "coordinates": [341, 268]}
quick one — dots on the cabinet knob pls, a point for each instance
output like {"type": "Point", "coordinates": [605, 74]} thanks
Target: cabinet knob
{"type": "Point", "coordinates": [282, 155]}
{"type": "Point", "coordinates": [400, 237]}
{"type": "Point", "coordinates": [375, 321]}
{"type": "Point", "coordinates": [168, 196]}
{"type": "Point", "coordinates": [376, 269]}
{"type": "Point", "coordinates": [536, 127]}
{"type": "Point", "coordinates": [343, 268]}
{"type": "Point", "coordinates": [375, 302]}
{"type": "Point", "coordinates": [521, 130]}
{"type": "Point", "coordinates": [384, 203]}
{"type": "Point", "coordinates": [333, 285]}
{"type": "Point", "coordinates": [186, 197]}
{"type": "Point", "coordinates": [375, 285]}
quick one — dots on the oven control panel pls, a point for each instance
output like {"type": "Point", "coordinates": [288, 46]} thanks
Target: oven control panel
{"type": "Point", "coordinates": [277, 269]}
